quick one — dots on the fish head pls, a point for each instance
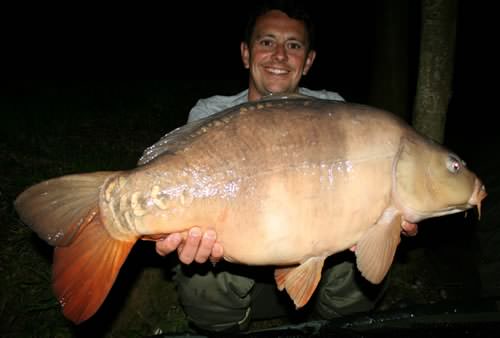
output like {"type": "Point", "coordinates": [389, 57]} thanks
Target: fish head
{"type": "Point", "coordinates": [430, 181]}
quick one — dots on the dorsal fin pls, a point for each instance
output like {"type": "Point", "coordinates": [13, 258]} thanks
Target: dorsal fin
{"type": "Point", "coordinates": [178, 138]}
{"type": "Point", "coordinates": [284, 96]}
{"type": "Point", "coordinates": [181, 136]}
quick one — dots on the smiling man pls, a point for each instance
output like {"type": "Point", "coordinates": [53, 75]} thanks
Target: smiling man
{"type": "Point", "coordinates": [278, 50]}
{"type": "Point", "coordinates": [277, 53]}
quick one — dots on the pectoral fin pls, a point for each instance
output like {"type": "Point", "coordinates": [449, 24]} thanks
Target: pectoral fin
{"type": "Point", "coordinates": [300, 281]}
{"type": "Point", "coordinates": [375, 250]}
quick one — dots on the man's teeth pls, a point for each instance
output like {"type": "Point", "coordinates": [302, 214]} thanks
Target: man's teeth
{"type": "Point", "coordinates": [277, 71]}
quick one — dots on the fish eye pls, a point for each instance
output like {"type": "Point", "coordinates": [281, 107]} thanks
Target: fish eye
{"type": "Point", "coordinates": [454, 164]}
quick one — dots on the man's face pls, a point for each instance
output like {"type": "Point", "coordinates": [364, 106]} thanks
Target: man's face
{"type": "Point", "coordinates": [277, 56]}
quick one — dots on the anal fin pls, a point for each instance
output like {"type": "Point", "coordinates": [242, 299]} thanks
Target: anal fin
{"type": "Point", "coordinates": [376, 249]}
{"type": "Point", "coordinates": [300, 281]}
{"type": "Point", "coordinates": [85, 270]}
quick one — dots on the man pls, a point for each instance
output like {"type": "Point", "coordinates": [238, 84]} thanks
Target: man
{"type": "Point", "coordinates": [277, 51]}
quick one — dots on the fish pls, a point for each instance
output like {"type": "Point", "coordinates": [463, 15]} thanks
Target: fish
{"type": "Point", "coordinates": [285, 181]}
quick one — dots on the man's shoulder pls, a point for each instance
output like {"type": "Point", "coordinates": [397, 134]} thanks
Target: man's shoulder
{"type": "Point", "coordinates": [321, 94]}
{"type": "Point", "coordinates": [226, 99]}
{"type": "Point", "coordinates": [213, 104]}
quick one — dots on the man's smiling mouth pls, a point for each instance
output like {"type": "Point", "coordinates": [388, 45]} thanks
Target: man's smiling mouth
{"type": "Point", "coordinates": [276, 71]}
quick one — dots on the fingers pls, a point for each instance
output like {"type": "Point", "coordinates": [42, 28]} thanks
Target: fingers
{"type": "Point", "coordinates": [217, 253]}
{"type": "Point", "coordinates": [205, 247]}
{"type": "Point", "coordinates": [187, 251]}
{"type": "Point", "coordinates": [168, 244]}
{"type": "Point", "coordinates": [196, 247]}
{"type": "Point", "coordinates": [200, 248]}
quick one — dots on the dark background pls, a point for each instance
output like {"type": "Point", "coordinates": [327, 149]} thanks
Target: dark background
{"type": "Point", "coordinates": [90, 107]}
{"type": "Point", "coordinates": [194, 48]}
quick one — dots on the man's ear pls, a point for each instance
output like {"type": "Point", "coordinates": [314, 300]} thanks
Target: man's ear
{"type": "Point", "coordinates": [311, 55]}
{"type": "Point", "coordinates": [245, 54]}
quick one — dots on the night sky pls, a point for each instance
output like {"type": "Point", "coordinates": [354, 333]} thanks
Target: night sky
{"type": "Point", "coordinates": [193, 47]}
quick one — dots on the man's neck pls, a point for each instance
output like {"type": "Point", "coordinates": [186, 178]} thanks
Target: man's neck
{"type": "Point", "coordinates": [253, 94]}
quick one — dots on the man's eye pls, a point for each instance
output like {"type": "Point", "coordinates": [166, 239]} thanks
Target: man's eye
{"type": "Point", "coordinates": [294, 45]}
{"type": "Point", "coordinates": [266, 43]}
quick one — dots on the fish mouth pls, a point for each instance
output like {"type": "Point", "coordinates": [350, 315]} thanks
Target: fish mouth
{"type": "Point", "coordinates": [477, 196]}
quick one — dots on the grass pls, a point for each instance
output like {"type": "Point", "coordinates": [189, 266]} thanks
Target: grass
{"type": "Point", "coordinates": [53, 132]}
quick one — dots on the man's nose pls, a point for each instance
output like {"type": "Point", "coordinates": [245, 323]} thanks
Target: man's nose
{"type": "Point", "coordinates": [280, 52]}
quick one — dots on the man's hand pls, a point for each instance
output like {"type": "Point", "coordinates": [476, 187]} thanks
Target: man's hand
{"type": "Point", "coordinates": [196, 247]}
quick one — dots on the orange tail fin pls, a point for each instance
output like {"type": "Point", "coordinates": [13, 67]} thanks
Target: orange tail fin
{"type": "Point", "coordinates": [64, 212]}
{"type": "Point", "coordinates": [84, 271]}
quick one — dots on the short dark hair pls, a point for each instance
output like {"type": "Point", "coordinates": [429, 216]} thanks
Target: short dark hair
{"type": "Point", "coordinates": [295, 9]}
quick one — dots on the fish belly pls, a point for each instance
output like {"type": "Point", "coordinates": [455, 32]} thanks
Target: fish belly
{"type": "Point", "coordinates": [292, 217]}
